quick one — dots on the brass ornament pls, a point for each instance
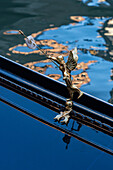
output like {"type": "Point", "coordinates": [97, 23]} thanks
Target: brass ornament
{"type": "Point", "coordinates": [66, 69]}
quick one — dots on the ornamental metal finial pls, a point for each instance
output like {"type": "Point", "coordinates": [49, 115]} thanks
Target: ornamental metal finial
{"type": "Point", "coordinates": [66, 69]}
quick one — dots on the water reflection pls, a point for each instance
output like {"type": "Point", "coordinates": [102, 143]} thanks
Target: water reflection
{"type": "Point", "coordinates": [52, 47]}
{"type": "Point", "coordinates": [111, 94]}
{"type": "Point", "coordinates": [78, 128]}
{"type": "Point", "coordinates": [11, 32]}
{"type": "Point", "coordinates": [85, 134]}
{"type": "Point", "coordinates": [77, 18]}
{"type": "Point", "coordinates": [46, 68]}
{"type": "Point", "coordinates": [67, 138]}
{"type": "Point", "coordinates": [107, 33]}
{"type": "Point", "coordinates": [89, 36]}
{"type": "Point", "coordinates": [96, 3]}
{"type": "Point", "coordinates": [112, 74]}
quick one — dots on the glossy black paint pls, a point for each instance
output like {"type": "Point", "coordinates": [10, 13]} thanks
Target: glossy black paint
{"type": "Point", "coordinates": [29, 144]}
{"type": "Point", "coordinates": [19, 79]}
{"type": "Point", "coordinates": [18, 71]}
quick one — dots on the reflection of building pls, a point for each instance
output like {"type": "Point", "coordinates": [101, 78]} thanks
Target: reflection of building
{"type": "Point", "coordinates": [93, 44]}
{"type": "Point", "coordinates": [95, 51]}
{"type": "Point", "coordinates": [107, 33]}
{"type": "Point", "coordinates": [77, 18]}
{"type": "Point", "coordinates": [111, 74]}
{"type": "Point", "coordinates": [84, 66]}
{"type": "Point", "coordinates": [81, 79]}
{"type": "Point", "coordinates": [42, 70]}
{"type": "Point", "coordinates": [52, 47]}
{"type": "Point", "coordinates": [54, 76]}
{"type": "Point", "coordinates": [11, 32]}
{"type": "Point", "coordinates": [111, 94]}
{"type": "Point", "coordinates": [96, 3]}
{"type": "Point", "coordinates": [78, 80]}
{"type": "Point", "coordinates": [49, 46]}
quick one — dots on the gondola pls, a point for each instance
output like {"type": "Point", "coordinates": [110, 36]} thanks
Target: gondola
{"type": "Point", "coordinates": [52, 94]}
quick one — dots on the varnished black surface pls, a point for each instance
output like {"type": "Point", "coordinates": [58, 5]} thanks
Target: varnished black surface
{"type": "Point", "coordinates": [39, 79]}
{"type": "Point", "coordinates": [26, 139]}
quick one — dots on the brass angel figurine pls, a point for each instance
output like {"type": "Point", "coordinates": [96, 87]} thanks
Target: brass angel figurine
{"type": "Point", "coordinates": [66, 69]}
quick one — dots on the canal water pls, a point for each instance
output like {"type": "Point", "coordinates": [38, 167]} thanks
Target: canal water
{"type": "Point", "coordinates": [58, 27]}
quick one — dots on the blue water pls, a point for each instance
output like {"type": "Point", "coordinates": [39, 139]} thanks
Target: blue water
{"type": "Point", "coordinates": [96, 3]}
{"type": "Point", "coordinates": [83, 35]}
{"type": "Point", "coordinates": [99, 72]}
